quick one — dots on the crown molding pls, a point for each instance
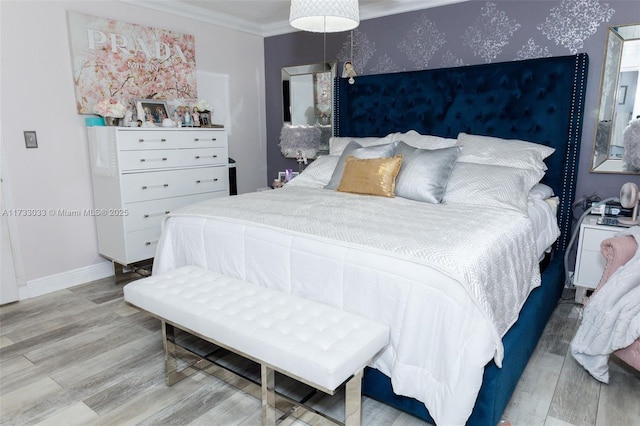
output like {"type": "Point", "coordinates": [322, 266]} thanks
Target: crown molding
{"type": "Point", "coordinates": [175, 7]}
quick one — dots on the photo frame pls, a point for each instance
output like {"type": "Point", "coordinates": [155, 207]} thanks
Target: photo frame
{"type": "Point", "coordinates": [30, 139]}
{"type": "Point", "coordinates": [282, 176]}
{"type": "Point", "coordinates": [157, 109]}
{"type": "Point", "coordinates": [205, 119]}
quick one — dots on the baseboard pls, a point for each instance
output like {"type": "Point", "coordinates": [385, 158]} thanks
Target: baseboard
{"type": "Point", "coordinates": [67, 279]}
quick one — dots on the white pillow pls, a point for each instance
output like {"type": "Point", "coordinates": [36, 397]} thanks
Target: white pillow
{"type": "Point", "coordinates": [317, 173]}
{"type": "Point", "coordinates": [337, 144]}
{"type": "Point", "coordinates": [488, 185]}
{"type": "Point", "coordinates": [540, 191]}
{"type": "Point", "coordinates": [417, 140]}
{"type": "Point", "coordinates": [503, 152]}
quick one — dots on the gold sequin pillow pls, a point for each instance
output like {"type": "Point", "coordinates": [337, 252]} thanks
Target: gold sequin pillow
{"type": "Point", "coordinates": [371, 176]}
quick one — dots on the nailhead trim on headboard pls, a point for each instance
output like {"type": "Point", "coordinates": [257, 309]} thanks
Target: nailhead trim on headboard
{"type": "Point", "coordinates": [572, 154]}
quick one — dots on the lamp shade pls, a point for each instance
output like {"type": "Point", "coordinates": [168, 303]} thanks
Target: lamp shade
{"type": "Point", "coordinates": [324, 16]}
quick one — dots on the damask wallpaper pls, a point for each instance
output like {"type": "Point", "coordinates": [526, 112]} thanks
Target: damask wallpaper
{"type": "Point", "coordinates": [424, 43]}
{"type": "Point", "coordinates": [464, 33]}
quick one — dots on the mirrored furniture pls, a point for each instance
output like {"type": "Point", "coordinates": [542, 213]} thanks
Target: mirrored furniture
{"type": "Point", "coordinates": [307, 100]}
{"type": "Point", "coordinates": [619, 100]}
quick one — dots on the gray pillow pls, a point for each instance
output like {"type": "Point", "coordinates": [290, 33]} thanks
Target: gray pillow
{"type": "Point", "coordinates": [424, 173]}
{"type": "Point", "coordinates": [356, 150]}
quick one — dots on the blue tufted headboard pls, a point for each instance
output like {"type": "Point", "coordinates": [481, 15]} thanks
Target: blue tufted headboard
{"type": "Point", "coordinates": [537, 100]}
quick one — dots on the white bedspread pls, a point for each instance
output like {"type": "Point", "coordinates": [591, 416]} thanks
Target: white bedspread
{"type": "Point", "coordinates": [448, 279]}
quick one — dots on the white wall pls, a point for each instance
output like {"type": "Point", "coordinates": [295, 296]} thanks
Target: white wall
{"type": "Point", "coordinates": [37, 94]}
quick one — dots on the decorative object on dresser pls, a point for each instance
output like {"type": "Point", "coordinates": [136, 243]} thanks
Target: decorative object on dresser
{"type": "Point", "coordinates": [111, 109]}
{"type": "Point", "coordinates": [140, 175]}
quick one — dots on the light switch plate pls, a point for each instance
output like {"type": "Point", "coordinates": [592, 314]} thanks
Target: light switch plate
{"type": "Point", "coordinates": [30, 139]}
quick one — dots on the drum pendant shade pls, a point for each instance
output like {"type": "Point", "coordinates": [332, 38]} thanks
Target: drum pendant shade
{"type": "Point", "coordinates": [324, 16]}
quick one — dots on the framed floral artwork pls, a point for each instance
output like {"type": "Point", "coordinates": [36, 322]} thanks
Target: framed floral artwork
{"type": "Point", "coordinates": [120, 60]}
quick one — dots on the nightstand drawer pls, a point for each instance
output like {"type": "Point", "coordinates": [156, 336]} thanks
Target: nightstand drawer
{"type": "Point", "coordinates": [593, 237]}
{"type": "Point", "coordinates": [591, 268]}
{"type": "Point", "coordinates": [172, 183]}
{"type": "Point", "coordinates": [589, 260]}
{"type": "Point", "coordinates": [171, 158]}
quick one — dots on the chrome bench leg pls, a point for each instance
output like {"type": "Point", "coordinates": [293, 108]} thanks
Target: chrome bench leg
{"type": "Point", "coordinates": [172, 353]}
{"type": "Point", "coordinates": [353, 400]}
{"type": "Point", "coordinates": [268, 396]}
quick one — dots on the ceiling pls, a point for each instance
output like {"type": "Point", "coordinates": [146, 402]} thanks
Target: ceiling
{"type": "Point", "coordinates": [270, 17]}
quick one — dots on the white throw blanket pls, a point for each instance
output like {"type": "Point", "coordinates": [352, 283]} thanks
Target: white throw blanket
{"type": "Point", "coordinates": [611, 320]}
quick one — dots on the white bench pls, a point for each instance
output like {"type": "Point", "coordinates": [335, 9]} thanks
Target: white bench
{"type": "Point", "coordinates": [313, 343]}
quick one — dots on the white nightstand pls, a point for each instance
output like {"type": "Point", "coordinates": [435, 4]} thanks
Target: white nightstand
{"type": "Point", "coordinates": [589, 260]}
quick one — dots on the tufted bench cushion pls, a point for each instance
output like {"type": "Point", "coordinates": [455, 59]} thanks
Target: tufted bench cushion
{"type": "Point", "coordinates": [317, 344]}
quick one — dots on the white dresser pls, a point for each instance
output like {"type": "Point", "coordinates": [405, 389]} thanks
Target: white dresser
{"type": "Point", "coordinates": [589, 259]}
{"type": "Point", "coordinates": [141, 174]}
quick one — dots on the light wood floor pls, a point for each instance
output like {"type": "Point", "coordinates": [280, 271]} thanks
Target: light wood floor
{"type": "Point", "coordinates": [81, 356]}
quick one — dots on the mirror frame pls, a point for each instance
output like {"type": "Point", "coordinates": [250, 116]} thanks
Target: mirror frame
{"type": "Point", "coordinates": [299, 70]}
{"type": "Point", "coordinates": [326, 127]}
{"type": "Point", "coordinates": [611, 70]}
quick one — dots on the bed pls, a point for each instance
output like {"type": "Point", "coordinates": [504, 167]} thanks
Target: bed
{"type": "Point", "coordinates": [464, 319]}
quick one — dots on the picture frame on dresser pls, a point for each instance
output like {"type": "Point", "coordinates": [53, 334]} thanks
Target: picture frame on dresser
{"type": "Point", "coordinates": [205, 119]}
{"type": "Point", "coordinates": [157, 108]}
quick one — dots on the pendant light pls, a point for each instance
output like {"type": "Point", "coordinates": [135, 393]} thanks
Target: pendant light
{"type": "Point", "coordinates": [324, 16]}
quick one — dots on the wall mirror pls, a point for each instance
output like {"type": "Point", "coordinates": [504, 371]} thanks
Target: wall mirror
{"type": "Point", "coordinates": [619, 99]}
{"type": "Point", "coordinates": [307, 98]}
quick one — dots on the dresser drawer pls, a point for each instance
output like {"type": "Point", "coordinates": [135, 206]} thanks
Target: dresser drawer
{"type": "Point", "coordinates": [149, 214]}
{"type": "Point", "coordinates": [150, 159]}
{"type": "Point", "coordinates": [164, 139]}
{"type": "Point", "coordinates": [142, 244]}
{"type": "Point", "coordinates": [172, 183]}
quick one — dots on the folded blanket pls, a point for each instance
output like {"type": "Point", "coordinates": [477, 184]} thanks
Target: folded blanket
{"type": "Point", "coordinates": [616, 252]}
{"type": "Point", "coordinates": [611, 319]}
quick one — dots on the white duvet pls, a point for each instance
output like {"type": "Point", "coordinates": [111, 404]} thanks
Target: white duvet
{"type": "Point", "coordinates": [448, 279]}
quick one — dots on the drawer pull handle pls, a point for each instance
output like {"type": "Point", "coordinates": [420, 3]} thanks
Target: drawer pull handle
{"type": "Point", "coordinates": [213, 156]}
{"type": "Point", "coordinates": [151, 140]}
{"type": "Point", "coordinates": [148, 243]}
{"type": "Point", "coordinates": [198, 139]}
{"type": "Point", "coordinates": [207, 180]}
{"type": "Point", "coordinates": [155, 186]}
{"type": "Point", "coordinates": [142, 160]}
{"type": "Point", "coordinates": [148, 215]}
